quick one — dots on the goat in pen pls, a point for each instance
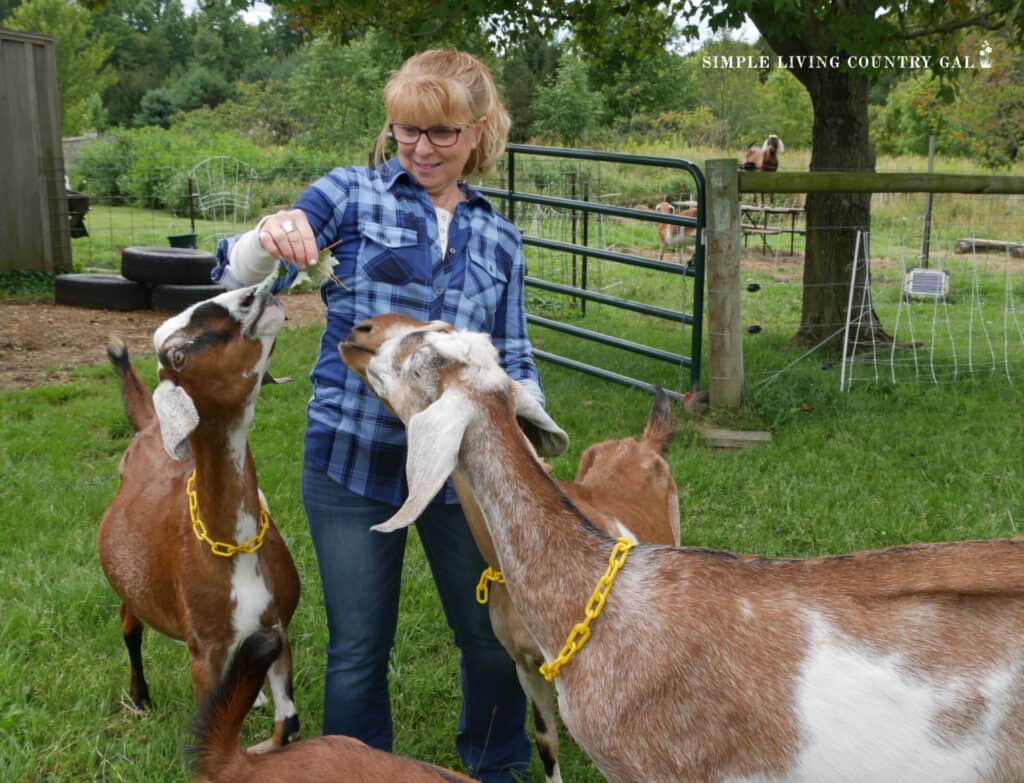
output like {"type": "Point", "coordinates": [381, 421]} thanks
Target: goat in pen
{"type": "Point", "coordinates": [624, 486]}
{"type": "Point", "coordinates": [765, 157]}
{"type": "Point", "coordinates": [671, 236]}
{"type": "Point", "coordinates": [900, 664]}
{"type": "Point", "coordinates": [188, 543]}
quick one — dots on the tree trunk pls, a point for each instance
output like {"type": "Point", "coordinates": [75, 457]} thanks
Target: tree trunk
{"type": "Point", "coordinates": [840, 143]}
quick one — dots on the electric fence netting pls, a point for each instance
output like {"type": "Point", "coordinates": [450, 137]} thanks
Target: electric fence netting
{"type": "Point", "coordinates": [937, 304]}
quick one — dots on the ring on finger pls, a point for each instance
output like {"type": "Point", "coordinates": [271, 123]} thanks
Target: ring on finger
{"type": "Point", "coordinates": [288, 226]}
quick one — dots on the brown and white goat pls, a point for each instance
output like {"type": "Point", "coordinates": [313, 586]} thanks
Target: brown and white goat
{"type": "Point", "coordinates": [624, 487]}
{"type": "Point", "coordinates": [217, 757]}
{"type": "Point", "coordinates": [671, 236]}
{"type": "Point", "coordinates": [898, 664]}
{"type": "Point", "coordinates": [765, 157]}
{"type": "Point", "coordinates": [184, 555]}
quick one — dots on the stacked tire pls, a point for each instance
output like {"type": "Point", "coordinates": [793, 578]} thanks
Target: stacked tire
{"type": "Point", "coordinates": [160, 278]}
{"type": "Point", "coordinates": [102, 292]}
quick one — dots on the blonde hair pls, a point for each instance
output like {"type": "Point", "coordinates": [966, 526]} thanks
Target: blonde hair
{"type": "Point", "coordinates": [457, 89]}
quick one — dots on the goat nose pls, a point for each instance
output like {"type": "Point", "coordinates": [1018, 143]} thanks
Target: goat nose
{"type": "Point", "coordinates": [363, 327]}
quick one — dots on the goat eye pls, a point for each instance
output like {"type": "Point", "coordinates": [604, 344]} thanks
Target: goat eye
{"type": "Point", "coordinates": [178, 359]}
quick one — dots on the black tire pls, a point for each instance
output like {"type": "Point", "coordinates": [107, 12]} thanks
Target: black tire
{"type": "Point", "coordinates": [178, 297]}
{"type": "Point", "coordinates": [167, 265]}
{"type": "Point", "coordinates": [103, 292]}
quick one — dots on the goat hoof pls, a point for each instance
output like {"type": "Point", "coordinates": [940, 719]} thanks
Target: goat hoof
{"type": "Point", "coordinates": [136, 706]}
{"type": "Point", "coordinates": [290, 731]}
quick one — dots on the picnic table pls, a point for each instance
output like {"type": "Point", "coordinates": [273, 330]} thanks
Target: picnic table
{"type": "Point", "coordinates": [756, 221]}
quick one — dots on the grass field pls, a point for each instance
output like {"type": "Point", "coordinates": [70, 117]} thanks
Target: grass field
{"type": "Point", "coordinates": [879, 465]}
{"type": "Point", "coordinates": [865, 469]}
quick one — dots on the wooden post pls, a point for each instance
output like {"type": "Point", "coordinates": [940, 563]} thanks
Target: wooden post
{"type": "Point", "coordinates": [723, 235]}
{"type": "Point", "coordinates": [866, 182]}
{"type": "Point", "coordinates": [927, 236]}
{"type": "Point", "coordinates": [586, 243]}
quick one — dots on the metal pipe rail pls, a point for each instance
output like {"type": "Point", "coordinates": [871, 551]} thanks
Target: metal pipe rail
{"type": "Point", "coordinates": [610, 255]}
{"type": "Point", "coordinates": [614, 301]}
{"type": "Point", "coordinates": [604, 339]}
{"type": "Point", "coordinates": [595, 206]}
{"type": "Point", "coordinates": [607, 375]}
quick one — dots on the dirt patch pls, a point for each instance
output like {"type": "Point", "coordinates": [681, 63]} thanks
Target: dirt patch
{"type": "Point", "coordinates": [783, 268]}
{"type": "Point", "coordinates": [41, 343]}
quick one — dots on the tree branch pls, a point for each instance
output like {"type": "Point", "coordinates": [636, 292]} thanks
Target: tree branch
{"type": "Point", "coordinates": [982, 20]}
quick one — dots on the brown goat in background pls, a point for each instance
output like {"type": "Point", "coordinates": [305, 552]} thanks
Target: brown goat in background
{"type": "Point", "coordinates": [765, 157]}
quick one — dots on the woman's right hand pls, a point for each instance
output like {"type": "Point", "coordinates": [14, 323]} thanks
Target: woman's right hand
{"type": "Point", "coordinates": [288, 235]}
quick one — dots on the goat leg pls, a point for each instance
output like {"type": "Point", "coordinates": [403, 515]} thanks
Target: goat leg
{"type": "Point", "coordinates": [131, 630]}
{"type": "Point", "coordinates": [538, 691]}
{"type": "Point", "coordinates": [286, 719]}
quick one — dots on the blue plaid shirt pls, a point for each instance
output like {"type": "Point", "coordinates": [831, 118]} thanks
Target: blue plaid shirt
{"type": "Point", "coordinates": [391, 259]}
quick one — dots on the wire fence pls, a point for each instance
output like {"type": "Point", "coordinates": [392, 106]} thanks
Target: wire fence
{"type": "Point", "coordinates": [949, 301]}
{"type": "Point", "coordinates": [168, 200]}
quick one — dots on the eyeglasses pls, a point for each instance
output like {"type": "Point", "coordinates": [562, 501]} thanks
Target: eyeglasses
{"type": "Point", "coordinates": [440, 137]}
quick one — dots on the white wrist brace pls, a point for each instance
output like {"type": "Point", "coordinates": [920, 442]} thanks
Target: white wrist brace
{"type": "Point", "coordinates": [248, 261]}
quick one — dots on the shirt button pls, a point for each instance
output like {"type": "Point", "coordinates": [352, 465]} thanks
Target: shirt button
{"type": "Point", "coordinates": [451, 251]}
{"type": "Point", "coordinates": [438, 291]}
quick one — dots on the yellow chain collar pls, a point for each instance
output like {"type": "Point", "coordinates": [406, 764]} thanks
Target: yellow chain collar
{"type": "Point", "coordinates": [483, 594]}
{"type": "Point", "coordinates": [220, 548]}
{"type": "Point", "coordinates": [581, 631]}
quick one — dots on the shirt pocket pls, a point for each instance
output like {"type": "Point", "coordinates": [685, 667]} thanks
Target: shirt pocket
{"type": "Point", "coordinates": [393, 255]}
{"type": "Point", "coordinates": [486, 281]}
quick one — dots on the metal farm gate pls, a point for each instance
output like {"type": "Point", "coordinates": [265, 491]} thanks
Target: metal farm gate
{"type": "Point", "coordinates": [688, 359]}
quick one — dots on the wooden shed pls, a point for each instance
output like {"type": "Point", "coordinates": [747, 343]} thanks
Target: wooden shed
{"type": "Point", "coordinates": [34, 234]}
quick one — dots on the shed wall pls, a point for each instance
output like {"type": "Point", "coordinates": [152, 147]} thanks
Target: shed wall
{"type": "Point", "coordinates": [34, 232]}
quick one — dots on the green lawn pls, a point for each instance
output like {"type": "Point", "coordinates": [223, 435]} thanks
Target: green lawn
{"type": "Point", "coordinates": [881, 464]}
{"type": "Point", "coordinates": [863, 469]}
{"type": "Point", "coordinates": [111, 229]}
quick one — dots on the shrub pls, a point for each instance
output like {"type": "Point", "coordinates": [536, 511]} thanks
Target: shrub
{"type": "Point", "coordinates": [155, 108]}
{"type": "Point", "coordinates": [149, 167]}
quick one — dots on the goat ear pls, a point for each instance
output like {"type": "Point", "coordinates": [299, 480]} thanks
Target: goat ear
{"type": "Point", "coordinates": [547, 437]}
{"type": "Point", "coordinates": [177, 416]}
{"type": "Point", "coordinates": [434, 436]}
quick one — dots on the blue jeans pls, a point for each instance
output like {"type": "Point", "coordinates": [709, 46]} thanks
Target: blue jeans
{"type": "Point", "coordinates": [361, 575]}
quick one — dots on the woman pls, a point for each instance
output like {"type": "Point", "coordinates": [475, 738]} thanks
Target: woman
{"type": "Point", "coordinates": [413, 240]}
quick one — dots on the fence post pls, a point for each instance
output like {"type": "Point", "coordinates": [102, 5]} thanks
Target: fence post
{"type": "Point", "coordinates": [926, 238]}
{"type": "Point", "coordinates": [586, 243]}
{"type": "Point", "coordinates": [722, 262]}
